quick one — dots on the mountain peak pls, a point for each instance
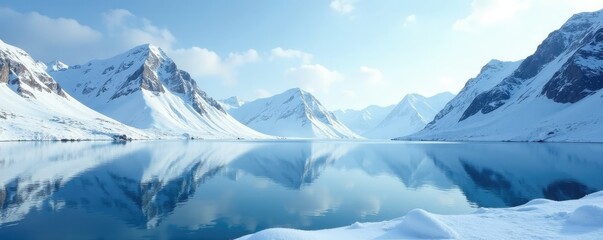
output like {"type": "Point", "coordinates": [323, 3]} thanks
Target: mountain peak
{"type": "Point", "coordinates": [233, 99]}
{"type": "Point", "coordinates": [495, 64]}
{"type": "Point", "coordinates": [56, 65]}
{"type": "Point", "coordinates": [232, 102]}
{"type": "Point", "coordinates": [410, 115]}
{"type": "Point", "coordinates": [412, 97]}
{"type": "Point", "coordinates": [296, 91]}
{"type": "Point", "coordinates": [144, 88]}
{"type": "Point", "coordinates": [590, 17]}
{"type": "Point", "coordinates": [146, 50]}
{"type": "Point", "coordinates": [28, 75]}
{"type": "Point", "coordinates": [293, 113]}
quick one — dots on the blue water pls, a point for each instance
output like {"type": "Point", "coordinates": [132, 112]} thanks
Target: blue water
{"type": "Point", "coordinates": [223, 190]}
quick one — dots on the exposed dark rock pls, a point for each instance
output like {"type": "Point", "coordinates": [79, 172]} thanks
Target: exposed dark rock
{"type": "Point", "coordinates": [143, 78]}
{"type": "Point", "coordinates": [575, 34]}
{"type": "Point", "coordinates": [577, 79]}
{"type": "Point", "coordinates": [4, 72]}
{"type": "Point", "coordinates": [16, 74]}
{"type": "Point", "coordinates": [150, 81]}
{"type": "Point", "coordinates": [548, 50]}
{"type": "Point", "coordinates": [486, 102]}
{"type": "Point", "coordinates": [107, 70]}
{"type": "Point", "coordinates": [121, 138]}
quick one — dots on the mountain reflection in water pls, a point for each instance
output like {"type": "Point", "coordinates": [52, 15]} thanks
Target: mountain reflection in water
{"type": "Point", "coordinates": [222, 190]}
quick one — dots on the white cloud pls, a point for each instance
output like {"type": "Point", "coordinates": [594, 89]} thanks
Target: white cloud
{"type": "Point", "coordinates": [313, 78]}
{"type": "Point", "coordinates": [342, 6]}
{"type": "Point", "coordinates": [290, 54]}
{"type": "Point", "coordinates": [115, 17]}
{"type": "Point", "coordinates": [371, 75]}
{"type": "Point", "coordinates": [37, 33]}
{"type": "Point", "coordinates": [491, 12]}
{"type": "Point", "coordinates": [249, 56]}
{"type": "Point", "coordinates": [204, 62]}
{"type": "Point", "coordinates": [129, 30]}
{"type": "Point", "coordinates": [411, 18]}
{"type": "Point", "coordinates": [198, 61]}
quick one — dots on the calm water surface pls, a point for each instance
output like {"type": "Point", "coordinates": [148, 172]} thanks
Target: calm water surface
{"type": "Point", "coordinates": [223, 190]}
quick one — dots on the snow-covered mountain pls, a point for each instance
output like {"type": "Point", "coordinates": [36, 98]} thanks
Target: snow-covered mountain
{"type": "Point", "coordinates": [55, 66]}
{"type": "Point", "coordinates": [409, 116]}
{"type": "Point", "coordinates": [293, 113]}
{"type": "Point", "coordinates": [145, 89]}
{"type": "Point", "coordinates": [231, 103]}
{"type": "Point", "coordinates": [553, 95]}
{"type": "Point", "coordinates": [35, 107]}
{"type": "Point", "coordinates": [361, 121]}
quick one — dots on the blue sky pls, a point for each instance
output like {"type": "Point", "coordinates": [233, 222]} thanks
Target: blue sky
{"type": "Point", "coordinates": [349, 53]}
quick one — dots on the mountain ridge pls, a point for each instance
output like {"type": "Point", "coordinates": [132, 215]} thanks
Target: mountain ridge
{"type": "Point", "coordinates": [35, 107]}
{"type": "Point", "coordinates": [549, 96]}
{"type": "Point", "coordinates": [410, 115]}
{"type": "Point", "coordinates": [144, 88]}
{"type": "Point", "coordinates": [293, 113]}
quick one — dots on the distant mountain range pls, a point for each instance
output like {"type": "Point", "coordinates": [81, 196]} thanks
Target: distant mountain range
{"type": "Point", "coordinates": [361, 121]}
{"type": "Point", "coordinates": [409, 116]}
{"type": "Point", "coordinates": [553, 95]}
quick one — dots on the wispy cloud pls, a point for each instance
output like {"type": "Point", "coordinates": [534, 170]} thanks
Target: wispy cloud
{"type": "Point", "coordinates": [491, 12]}
{"type": "Point", "coordinates": [371, 75]}
{"type": "Point", "coordinates": [314, 78]}
{"type": "Point", "coordinates": [277, 53]}
{"type": "Point", "coordinates": [343, 6]}
{"type": "Point", "coordinates": [38, 33]}
{"type": "Point", "coordinates": [410, 19]}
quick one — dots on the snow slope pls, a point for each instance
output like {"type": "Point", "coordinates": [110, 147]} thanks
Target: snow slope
{"type": "Point", "coordinates": [293, 113]}
{"type": "Point", "coordinates": [410, 115]}
{"type": "Point", "coordinates": [145, 89]}
{"type": "Point", "coordinates": [361, 121]}
{"type": "Point", "coordinates": [537, 219]}
{"type": "Point", "coordinates": [35, 107]}
{"type": "Point", "coordinates": [550, 96]}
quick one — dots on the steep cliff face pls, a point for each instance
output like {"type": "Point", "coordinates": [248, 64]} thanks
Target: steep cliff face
{"type": "Point", "coordinates": [145, 89]}
{"type": "Point", "coordinates": [35, 107]}
{"type": "Point", "coordinates": [23, 74]}
{"type": "Point", "coordinates": [549, 96]}
{"type": "Point", "coordinates": [574, 37]}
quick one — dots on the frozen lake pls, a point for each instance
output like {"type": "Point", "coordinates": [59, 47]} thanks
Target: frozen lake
{"type": "Point", "coordinates": [223, 190]}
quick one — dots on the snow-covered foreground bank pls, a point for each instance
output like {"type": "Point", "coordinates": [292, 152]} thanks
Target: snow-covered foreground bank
{"type": "Point", "coordinates": [537, 219]}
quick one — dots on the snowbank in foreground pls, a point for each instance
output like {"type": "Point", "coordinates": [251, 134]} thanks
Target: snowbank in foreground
{"type": "Point", "coordinates": [537, 219]}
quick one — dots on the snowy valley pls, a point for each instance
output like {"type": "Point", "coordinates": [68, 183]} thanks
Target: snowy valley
{"type": "Point", "coordinates": [131, 145]}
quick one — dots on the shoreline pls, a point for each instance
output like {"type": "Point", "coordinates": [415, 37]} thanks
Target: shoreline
{"type": "Point", "coordinates": [539, 218]}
